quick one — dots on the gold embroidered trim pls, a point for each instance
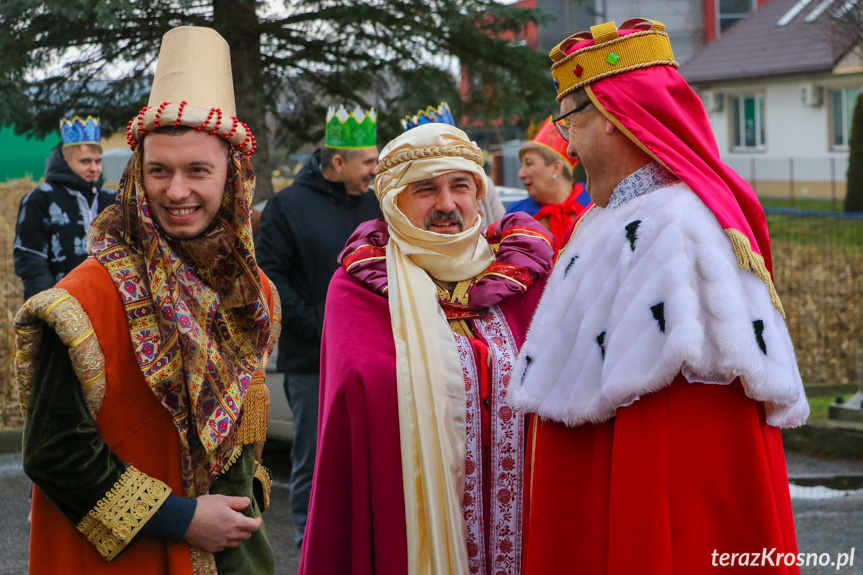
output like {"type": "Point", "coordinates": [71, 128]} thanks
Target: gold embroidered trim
{"type": "Point", "coordinates": [748, 259]}
{"type": "Point", "coordinates": [460, 327]}
{"type": "Point", "coordinates": [238, 451]}
{"type": "Point", "coordinates": [631, 52]}
{"type": "Point", "coordinates": [266, 483]}
{"type": "Point", "coordinates": [203, 562]}
{"type": "Point", "coordinates": [121, 513]}
{"type": "Point", "coordinates": [275, 322]}
{"type": "Point", "coordinates": [58, 310]}
{"type": "Point", "coordinates": [460, 291]}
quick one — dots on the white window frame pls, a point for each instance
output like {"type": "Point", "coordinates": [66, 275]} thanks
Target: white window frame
{"type": "Point", "coordinates": [741, 15]}
{"type": "Point", "coordinates": [846, 115]}
{"type": "Point", "coordinates": [738, 131]}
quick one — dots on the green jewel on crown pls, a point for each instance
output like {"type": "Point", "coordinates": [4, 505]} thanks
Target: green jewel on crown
{"type": "Point", "coordinates": [351, 131]}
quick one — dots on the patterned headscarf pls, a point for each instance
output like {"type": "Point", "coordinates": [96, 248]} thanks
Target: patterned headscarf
{"type": "Point", "coordinates": [197, 315]}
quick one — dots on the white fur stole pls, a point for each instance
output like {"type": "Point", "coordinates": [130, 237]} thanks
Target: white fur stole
{"type": "Point", "coordinates": [643, 292]}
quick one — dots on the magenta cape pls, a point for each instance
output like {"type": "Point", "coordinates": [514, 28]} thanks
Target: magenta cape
{"type": "Point", "coordinates": [357, 512]}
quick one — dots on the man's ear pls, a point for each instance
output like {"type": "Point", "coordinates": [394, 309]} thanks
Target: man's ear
{"type": "Point", "coordinates": [609, 127]}
{"type": "Point", "coordinates": [338, 163]}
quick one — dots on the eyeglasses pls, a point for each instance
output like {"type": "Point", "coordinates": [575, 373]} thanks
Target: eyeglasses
{"type": "Point", "coordinates": [561, 124]}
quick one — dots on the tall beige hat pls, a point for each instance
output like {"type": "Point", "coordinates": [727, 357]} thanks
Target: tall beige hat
{"type": "Point", "coordinates": [193, 87]}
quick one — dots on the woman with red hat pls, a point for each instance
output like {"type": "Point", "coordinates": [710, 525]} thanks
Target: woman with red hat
{"type": "Point", "coordinates": [547, 173]}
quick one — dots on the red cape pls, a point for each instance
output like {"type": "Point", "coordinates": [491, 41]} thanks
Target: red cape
{"type": "Point", "coordinates": [357, 511]}
{"type": "Point", "coordinates": [681, 473]}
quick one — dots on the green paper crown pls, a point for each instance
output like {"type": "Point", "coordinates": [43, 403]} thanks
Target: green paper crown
{"type": "Point", "coordinates": [351, 131]}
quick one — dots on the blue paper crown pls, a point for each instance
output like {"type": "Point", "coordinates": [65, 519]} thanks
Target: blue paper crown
{"type": "Point", "coordinates": [431, 115]}
{"type": "Point", "coordinates": [78, 131]}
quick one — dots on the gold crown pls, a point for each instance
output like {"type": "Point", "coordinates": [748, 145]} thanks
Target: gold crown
{"type": "Point", "coordinates": [610, 54]}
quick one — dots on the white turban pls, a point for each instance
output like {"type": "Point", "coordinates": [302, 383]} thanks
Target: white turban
{"type": "Point", "coordinates": [431, 395]}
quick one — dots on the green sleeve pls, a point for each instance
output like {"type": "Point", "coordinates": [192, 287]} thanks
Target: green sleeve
{"type": "Point", "coordinates": [72, 465]}
{"type": "Point", "coordinates": [254, 556]}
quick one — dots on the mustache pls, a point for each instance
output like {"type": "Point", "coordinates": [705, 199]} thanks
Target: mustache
{"type": "Point", "coordinates": [436, 216]}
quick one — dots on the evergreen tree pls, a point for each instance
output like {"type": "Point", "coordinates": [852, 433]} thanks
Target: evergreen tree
{"type": "Point", "coordinates": [854, 193]}
{"type": "Point", "coordinates": [290, 58]}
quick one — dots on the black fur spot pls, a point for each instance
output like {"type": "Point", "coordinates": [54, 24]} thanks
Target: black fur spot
{"type": "Point", "coordinates": [659, 315]}
{"type": "Point", "coordinates": [569, 265]}
{"type": "Point", "coordinates": [631, 228]}
{"type": "Point", "coordinates": [527, 361]}
{"type": "Point", "coordinates": [759, 335]}
{"type": "Point", "coordinates": [600, 339]}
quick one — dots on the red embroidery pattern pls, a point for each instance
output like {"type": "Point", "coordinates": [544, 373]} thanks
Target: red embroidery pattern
{"type": "Point", "coordinates": [507, 447]}
{"type": "Point", "coordinates": [518, 274]}
{"type": "Point", "coordinates": [363, 254]}
{"type": "Point", "coordinates": [472, 502]}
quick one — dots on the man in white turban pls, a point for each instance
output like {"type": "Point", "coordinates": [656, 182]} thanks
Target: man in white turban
{"type": "Point", "coordinates": [421, 465]}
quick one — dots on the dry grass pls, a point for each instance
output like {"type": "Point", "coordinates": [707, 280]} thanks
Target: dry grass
{"type": "Point", "coordinates": [822, 295]}
{"type": "Point", "coordinates": [819, 285]}
{"type": "Point", "coordinates": [11, 298]}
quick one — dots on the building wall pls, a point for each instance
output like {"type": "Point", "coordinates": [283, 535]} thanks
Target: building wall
{"type": "Point", "coordinates": [797, 157]}
{"type": "Point", "coordinates": [682, 18]}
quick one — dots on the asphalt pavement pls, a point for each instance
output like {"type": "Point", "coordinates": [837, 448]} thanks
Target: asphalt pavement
{"type": "Point", "coordinates": [14, 505]}
{"type": "Point", "coordinates": [827, 496]}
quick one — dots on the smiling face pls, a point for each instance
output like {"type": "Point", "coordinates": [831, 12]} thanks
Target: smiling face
{"type": "Point", "coordinates": [356, 169]}
{"type": "Point", "coordinates": [446, 204]}
{"type": "Point", "coordinates": [607, 154]}
{"type": "Point", "coordinates": [184, 179]}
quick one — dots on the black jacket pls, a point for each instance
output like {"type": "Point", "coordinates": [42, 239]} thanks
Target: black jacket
{"type": "Point", "coordinates": [53, 223]}
{"type": "Point", "coordinates": [303, 229]}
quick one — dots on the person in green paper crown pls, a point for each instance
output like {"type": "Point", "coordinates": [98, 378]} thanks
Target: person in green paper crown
{"type": "Point", "coordinates": [303, 229]}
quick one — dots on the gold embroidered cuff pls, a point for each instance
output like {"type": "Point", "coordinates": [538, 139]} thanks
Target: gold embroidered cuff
{"type": "Point", "coordinates": [118, 516]}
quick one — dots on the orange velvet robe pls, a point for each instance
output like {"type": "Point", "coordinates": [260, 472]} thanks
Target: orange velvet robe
{"type": "Point", "coordinates": [138, 430]}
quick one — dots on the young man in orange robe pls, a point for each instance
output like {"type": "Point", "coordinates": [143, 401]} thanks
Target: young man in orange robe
{"type": "Point", "coordinates": [658, 361]}
{"type": "Point", "coordinates": [141, 372]}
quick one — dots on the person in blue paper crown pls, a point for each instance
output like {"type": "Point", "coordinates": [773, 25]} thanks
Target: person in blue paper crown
{"type": "Point", "coordinates": [54, 219]}
{"type": "Point", "coordinates": [490, 207]}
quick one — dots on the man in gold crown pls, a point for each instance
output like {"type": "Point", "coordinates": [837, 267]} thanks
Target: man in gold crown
{"type": "Point", "coordinates": [303, 229]}
{"type": "Point", "coordinates": [141, 372]}
{"type": "Point", "coordinates": [54, 219]}
{"type": "Point", "coordinates": [658, 362]}
{"type": "Point", "coordinates": [421, 460]}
